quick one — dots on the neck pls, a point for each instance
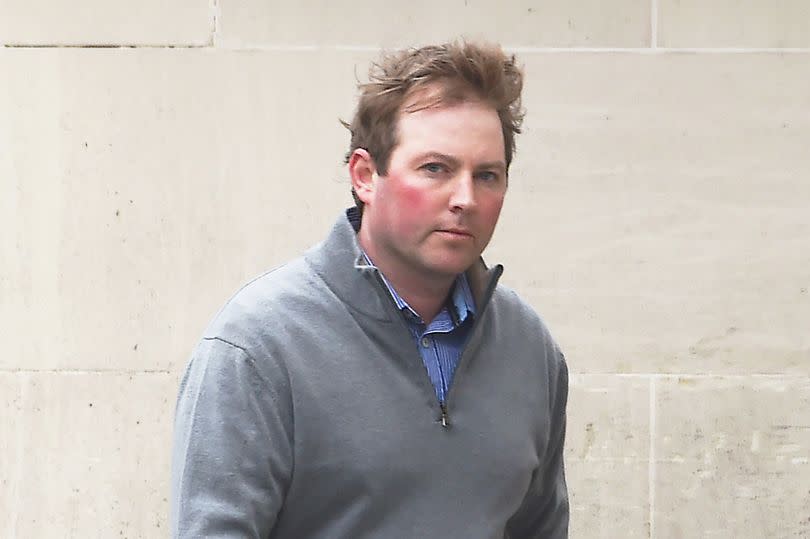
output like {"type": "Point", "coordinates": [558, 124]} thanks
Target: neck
{"type": "Point", "coordinates": [426, 301]}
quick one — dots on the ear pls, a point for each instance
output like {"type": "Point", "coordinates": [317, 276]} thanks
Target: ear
{"type": "Point", "coordinates": [363, 173]}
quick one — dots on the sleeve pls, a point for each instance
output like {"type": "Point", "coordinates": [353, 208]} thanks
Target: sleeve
{"type": "Point", "coordinates": [232, 454]}
{"type": "Point", "coordinates": [544, 512]}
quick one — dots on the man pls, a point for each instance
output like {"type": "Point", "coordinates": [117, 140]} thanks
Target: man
{"type": "Point", "coordinates": [383, 385]}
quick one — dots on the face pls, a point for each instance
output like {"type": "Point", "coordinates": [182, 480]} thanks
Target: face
{"type": "Point", "coordinates": [435, 210]}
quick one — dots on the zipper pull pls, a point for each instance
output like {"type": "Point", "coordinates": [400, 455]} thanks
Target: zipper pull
{"type": "Point", "coordinates": [444, 420]}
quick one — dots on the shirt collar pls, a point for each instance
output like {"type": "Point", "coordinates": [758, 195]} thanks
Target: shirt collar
{"type": "Point", "coordinates": [462, 299]}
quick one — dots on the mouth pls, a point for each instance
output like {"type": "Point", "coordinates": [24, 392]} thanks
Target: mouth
{"type": "Point", "coordinates": [458, 233]}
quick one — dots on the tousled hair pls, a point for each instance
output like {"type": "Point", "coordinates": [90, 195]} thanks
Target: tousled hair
{"type": "Point", "coordinates": [458, 71]}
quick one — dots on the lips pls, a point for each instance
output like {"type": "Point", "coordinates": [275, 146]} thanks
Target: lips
{"type": "Point", "coordinates": [461, 232]}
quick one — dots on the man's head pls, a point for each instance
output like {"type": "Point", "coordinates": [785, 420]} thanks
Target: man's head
{"type": "Point", "coordinates": [455, 72]}
{"type": "Point", "coordinates": [431, 146]}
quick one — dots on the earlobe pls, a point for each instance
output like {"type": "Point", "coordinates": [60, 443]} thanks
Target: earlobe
{"type": "Point", "coordinates": [363, 174]}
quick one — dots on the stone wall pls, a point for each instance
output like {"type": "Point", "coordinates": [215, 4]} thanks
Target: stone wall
{"type": "Point", "coordinates": [153, 156]}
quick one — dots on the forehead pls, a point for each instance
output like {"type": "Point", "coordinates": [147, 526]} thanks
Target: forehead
{"type": "Point", "coordinates": [464, 129]}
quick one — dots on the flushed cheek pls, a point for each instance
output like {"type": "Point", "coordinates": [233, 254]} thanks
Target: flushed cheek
{"type": "Point", "coordinates": [415, 206]}
{"type": "Point", "coordinates": [412, 195]}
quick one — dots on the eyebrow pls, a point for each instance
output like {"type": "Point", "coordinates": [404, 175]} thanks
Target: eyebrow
{"type": "Point", "coordinates": [500, 165]}
{"type": "Point", "coordinates": [438, 157]}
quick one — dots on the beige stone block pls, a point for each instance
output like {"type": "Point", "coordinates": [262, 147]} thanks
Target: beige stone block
{"type": "Point", "coordinates": [11, 450]}
{"type": "Point", "coordinates": [150, 22]}
{"type": "Point", "coordinates": [659, 211]}
{"type": "Point", "coordinates": [607, 456]}
{"type": "Point", "coordinates": [734, 23]}
{"type": "Point", "coordinates": [579, 23]}
{"type": "Point", "coordinates": [93, 457]}
{"type": "Point", "coordinates": [142, 188]}
{"type": "Point", "coordinates": [732, 457]}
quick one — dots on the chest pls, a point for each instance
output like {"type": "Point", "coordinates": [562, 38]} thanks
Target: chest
{"type": "Point", "coordinates": [367, 419]}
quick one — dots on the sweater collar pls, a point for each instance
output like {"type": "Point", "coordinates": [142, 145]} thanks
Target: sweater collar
{"type": "Point", "coordinates": [340, 262]}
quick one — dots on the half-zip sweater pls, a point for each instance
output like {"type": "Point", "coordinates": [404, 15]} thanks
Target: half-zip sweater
{"type": "Point", "coordinates": [306, 413]}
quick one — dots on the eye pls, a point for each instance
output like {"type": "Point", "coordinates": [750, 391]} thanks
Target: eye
{"type": "Point", "coordinates": [487, 176]}
{"type": "Point", "coordinates": [434, 168]}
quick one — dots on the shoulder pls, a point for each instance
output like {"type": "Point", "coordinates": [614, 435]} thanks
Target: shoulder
{"type": "Point", "coordinates": [263, 309]}
{"type": "Point", "coordinates": [517, 312]}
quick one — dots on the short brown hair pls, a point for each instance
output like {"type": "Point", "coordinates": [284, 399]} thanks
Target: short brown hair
{"type": "Point", "coordinates": [459, 70]}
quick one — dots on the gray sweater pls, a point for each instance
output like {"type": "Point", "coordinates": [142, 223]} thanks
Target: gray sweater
{"type": "Point", "coordinates": [306, 413]}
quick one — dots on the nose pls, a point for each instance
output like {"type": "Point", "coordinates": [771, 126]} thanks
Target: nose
{"type": "Point", "coordinates": [462, 197]}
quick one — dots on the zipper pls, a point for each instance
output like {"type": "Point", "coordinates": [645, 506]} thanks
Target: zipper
{"type": "Point", "coordinates": [444, 420]}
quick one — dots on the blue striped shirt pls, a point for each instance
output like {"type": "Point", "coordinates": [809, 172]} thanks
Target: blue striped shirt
{"type": "Point", "coordinates": [439, 343]}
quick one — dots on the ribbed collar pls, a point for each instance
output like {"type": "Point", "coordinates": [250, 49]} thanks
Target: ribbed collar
{"type": "Point", "coordinates": [340, 262]}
